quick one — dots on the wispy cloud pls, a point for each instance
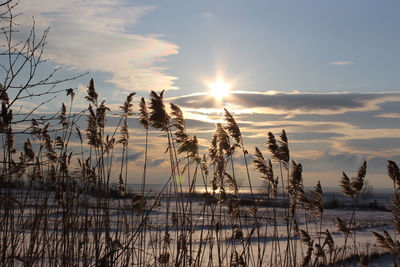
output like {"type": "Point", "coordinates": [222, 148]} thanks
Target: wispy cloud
{"type": "Point", "coordinates": [133, 157]}
{"type": "Point", "coordinates": [342, 63]}
{"type": "Point", "coordinates": [97, 36]}
{"type": "Point", "coordinates": [338, 130]}
{"type": "Point", "coordinates": [285, 103]}
{"type": "Point", "coordinates": [383, 145]}
{"type": "Point", "coordinates": [388, 115]}
{"type": "Point", "coordinates": [207, 15]}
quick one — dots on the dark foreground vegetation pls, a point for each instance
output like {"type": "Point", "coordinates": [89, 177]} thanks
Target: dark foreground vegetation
{"type": "Point", "coordinates": [59, 207]}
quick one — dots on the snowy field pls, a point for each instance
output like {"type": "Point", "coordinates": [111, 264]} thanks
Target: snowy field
{"type": "Point", "coordinates": [187, 229]}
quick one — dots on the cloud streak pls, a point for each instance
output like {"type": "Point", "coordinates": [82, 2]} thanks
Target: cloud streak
{"type": "Point", "coordinates": [289, 103]}
{"type": "Point", "coordinates": [342, 63]}
{"type": "Point", "coordinates": [389, 115]}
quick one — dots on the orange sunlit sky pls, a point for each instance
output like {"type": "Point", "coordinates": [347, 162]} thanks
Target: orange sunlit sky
{"type": "Point", "coordinates": [325, 71]}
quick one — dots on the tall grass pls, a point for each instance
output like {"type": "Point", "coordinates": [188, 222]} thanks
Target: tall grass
{"type": "Point", "coordinates": [60, 206]}
{"type": "Point", "coordinates": [385, 240]}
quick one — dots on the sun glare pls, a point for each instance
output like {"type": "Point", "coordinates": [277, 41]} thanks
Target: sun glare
{"type": "Point", "coordinates": [219, 89]}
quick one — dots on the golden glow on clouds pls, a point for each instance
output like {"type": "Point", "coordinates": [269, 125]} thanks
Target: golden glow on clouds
{"type": "Point", "coordinates": [219, 89]}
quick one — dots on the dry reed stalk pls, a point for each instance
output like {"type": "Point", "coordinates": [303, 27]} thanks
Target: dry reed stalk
{"type": "Point", "coordinates": [385, 241]}
{"type": "Point", "coordinates": [351, 188]}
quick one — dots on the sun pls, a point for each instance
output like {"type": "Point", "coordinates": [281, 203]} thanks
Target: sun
{"type": "Point", "coordinates": [219, 89]}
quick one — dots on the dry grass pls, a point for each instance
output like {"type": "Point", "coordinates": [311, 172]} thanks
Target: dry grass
{"type": "Point", "coordinates": [59, 208]}
{"type": "Point", "coordinates": [78, 218]}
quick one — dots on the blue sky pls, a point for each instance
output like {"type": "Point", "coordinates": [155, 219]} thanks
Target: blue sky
{"type": "Point", "coordinates": [326, 71]}
{"type": "Point", "coordinates": [283, 45]}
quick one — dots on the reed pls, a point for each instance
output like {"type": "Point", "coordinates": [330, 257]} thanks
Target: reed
{"type": "Point", "coordinates": [65, 201]}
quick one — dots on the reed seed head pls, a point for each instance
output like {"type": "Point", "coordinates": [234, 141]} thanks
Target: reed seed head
{"type": "Point", "coordinates": [91, 93]}
{"type": "Point", "coordinates": [159, 118]}
{"type": "Point", "coordinates": [144, 114]}
{"type": "Point", "coordinates": [233, 128]}
{"type": "Point", "coordinates": [126, 108]}
{"type": "Point", "coordinates": [394, 172]}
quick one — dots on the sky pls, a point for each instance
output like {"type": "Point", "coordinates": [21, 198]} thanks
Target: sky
{"type": "Point", "coordinates": [325, 71]}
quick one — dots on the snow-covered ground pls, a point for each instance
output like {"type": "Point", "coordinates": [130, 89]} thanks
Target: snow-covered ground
{"type": "Point", "coordinates": [210, 234]}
